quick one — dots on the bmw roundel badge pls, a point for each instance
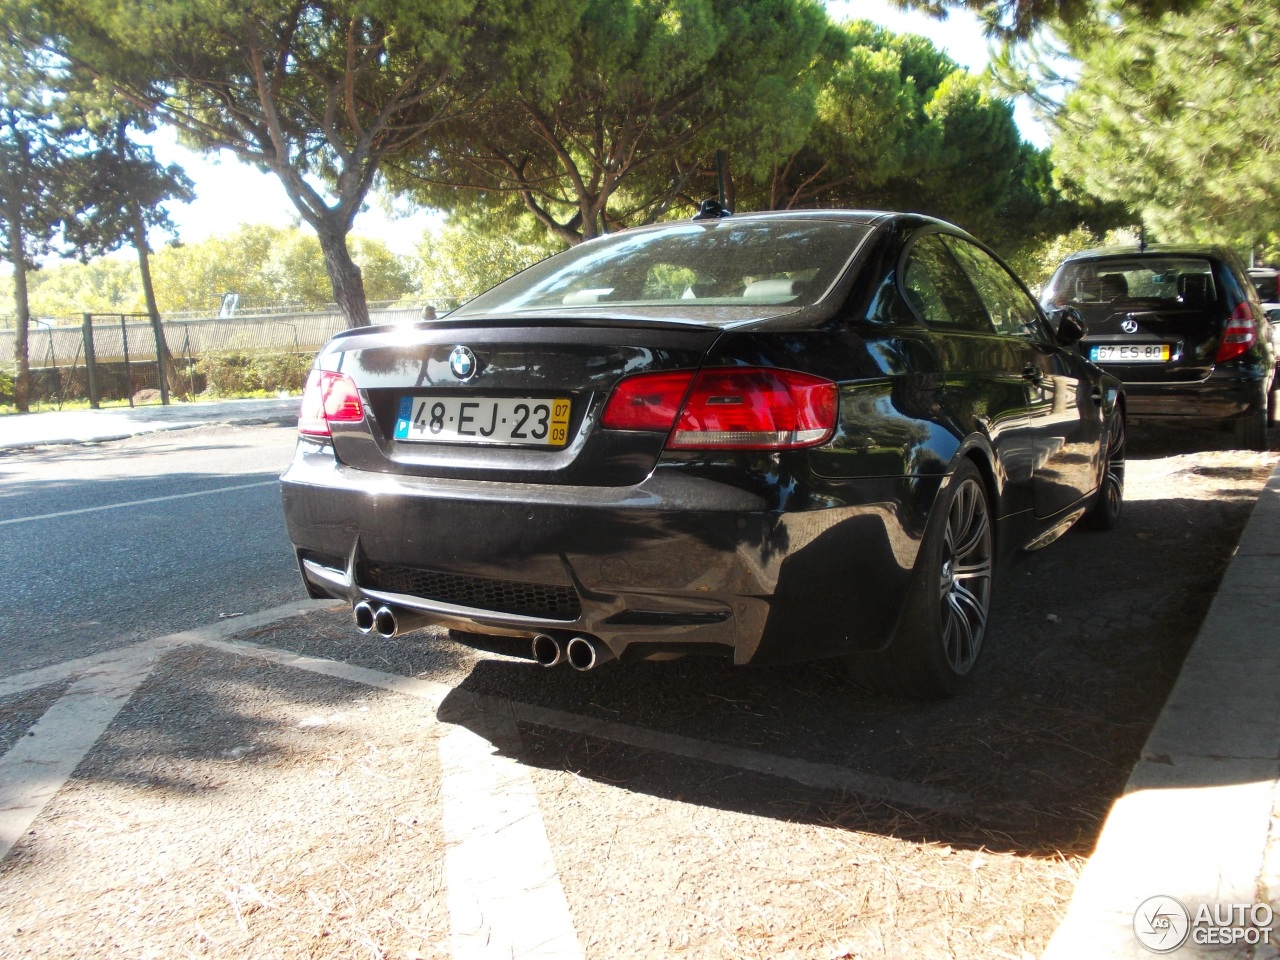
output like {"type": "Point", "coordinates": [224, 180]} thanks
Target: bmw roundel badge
{"type": "Point", "coordinates": [462, 363]}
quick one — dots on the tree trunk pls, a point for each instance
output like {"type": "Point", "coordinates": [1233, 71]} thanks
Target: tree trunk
{"type": "Point", "coordinates": [167, 372]}
{"type": "Point", "coordinates": [345, 277]}
{"type": "Point", "coordinates": [22, 382]}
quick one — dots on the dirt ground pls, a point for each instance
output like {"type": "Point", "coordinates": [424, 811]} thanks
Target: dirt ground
{"type": "Point", "coordinates": [237, 807]}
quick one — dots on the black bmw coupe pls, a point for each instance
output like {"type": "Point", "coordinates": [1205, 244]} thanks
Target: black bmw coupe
{"type": "Point", "coordinates": [769, 437]}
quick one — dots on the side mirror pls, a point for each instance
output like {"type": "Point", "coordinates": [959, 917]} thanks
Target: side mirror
{"type": "Point", "coordinates": [1273, 315]}
{"type": "Point", "coordinates": [1068, 326]}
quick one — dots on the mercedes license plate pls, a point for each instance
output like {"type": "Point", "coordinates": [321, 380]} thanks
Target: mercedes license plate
{"type": "Point", "coordinates": [540, 422]}
{"type": "Point", "coordinates": [1129, 353]}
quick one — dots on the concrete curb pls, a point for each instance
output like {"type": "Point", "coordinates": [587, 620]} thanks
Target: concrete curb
{"type": "Point", "coordinates": [1200, 816]}
{"type": "Point", "coordinates": [27, 431]}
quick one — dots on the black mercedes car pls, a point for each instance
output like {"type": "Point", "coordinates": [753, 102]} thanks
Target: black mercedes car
{"type": "Point", "coordinates": [767, 437]}
{"type": "Point", "coordinates": [1181, 326]}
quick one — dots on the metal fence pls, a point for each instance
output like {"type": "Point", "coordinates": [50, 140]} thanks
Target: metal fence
{"type": "Point", "coordinates": [113, 356]}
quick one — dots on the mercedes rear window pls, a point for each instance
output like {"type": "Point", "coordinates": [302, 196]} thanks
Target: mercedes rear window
{"type": "Point", "coordinates": [689, 265]}
{"type": "Point", "coordinates": [1169, 280]}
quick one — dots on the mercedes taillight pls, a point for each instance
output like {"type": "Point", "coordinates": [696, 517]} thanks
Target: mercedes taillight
{"type": "Point", "coordinates": [1240, 334]}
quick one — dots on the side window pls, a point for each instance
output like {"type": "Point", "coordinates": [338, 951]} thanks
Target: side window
{"type": "Point", "coordinates": [1013, 313]}
{"type": "Point", "coordinates": [939, 291]}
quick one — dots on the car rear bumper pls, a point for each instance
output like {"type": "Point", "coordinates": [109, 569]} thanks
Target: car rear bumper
{"type": "Point", "coordinates": [677, 563]}
{"type": "Point", "coordinates": [1215, 398]}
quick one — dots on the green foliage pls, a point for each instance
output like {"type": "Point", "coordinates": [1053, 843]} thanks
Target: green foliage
{"type": "Point", "coordinates": [1017, 20]}
{"type": "Point", "coordinates": [265, 265]}
{"type": "Point", "coordinates": [33, 148]}
{"type": "Point", "coordinates": [1176, 119]}
{"type": "Point", "coordinates": [243, 374]}
{"type": "Point", "coordinates": [1267, 250]}
{"type": "Point", "coordinates": [901, 127]}
{"type": "Point", "coordinates": [117, 191]}
{"type": "Point", "coordinates": [645, 93]}
{"type": "Point", "coordinates": [6, 387]}
{"type": "Point", "coordinates": [66, 290]}
{"type": "Point", "coordinates": [1035, 261]}
{"type": "Point", "coordinates": [387, 276]}
{"type": "Point", "coordinates": [473, 252]}
{"type": "Point", "coordinates": [319, 92]}
{"type": "Point", "coordinates": [33, 152]}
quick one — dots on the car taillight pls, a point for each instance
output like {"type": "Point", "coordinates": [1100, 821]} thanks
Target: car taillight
{"type": "Point", "coordinates": [329, 398]}
{"type": "Point", "coordinates": [648, 401]}
{"type": "Point", "coordinates": [1240, 334]}
{"type": "Point", "coordinates": [736, 408]}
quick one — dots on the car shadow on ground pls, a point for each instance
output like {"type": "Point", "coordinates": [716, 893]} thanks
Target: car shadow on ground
{"type": "Point", "coordinates": [1085, 642]}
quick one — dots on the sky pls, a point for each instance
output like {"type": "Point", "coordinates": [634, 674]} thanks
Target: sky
{"type": "Point", "coordinates": [230, 193]}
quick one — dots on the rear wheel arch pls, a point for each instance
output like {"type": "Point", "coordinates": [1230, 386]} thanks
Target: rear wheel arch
{"type": "Point", "coordinates": [992, 486]}
{"type": "Point", "coordinates": [942, 624]}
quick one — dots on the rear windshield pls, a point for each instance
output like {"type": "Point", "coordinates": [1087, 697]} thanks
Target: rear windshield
{"type": "Point", "coordinates": [687, 265]}
{"type": "Point", "coordinates": [1168, 280]}
{"type": "Point", "coordinates": [1266, 285]}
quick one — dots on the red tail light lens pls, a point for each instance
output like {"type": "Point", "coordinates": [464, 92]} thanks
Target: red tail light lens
{"type": "Point", "coordinates": [737, 408]}
{"type": "Point", "coordinates": [649, 401]}
{"type": "Point", "coordinates": [752, 409]}
{"type": "Point", "coordinates": [1241, 334]}
{"type": "Point", "coordinates": [329, 398]}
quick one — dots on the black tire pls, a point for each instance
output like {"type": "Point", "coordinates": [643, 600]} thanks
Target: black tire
{"type": "Point", "coordinates": [1106, 510]}
{"type": "Point", "coordinates": [940, 633]}
{"type": "Point", "coordinates": [1251, 430]}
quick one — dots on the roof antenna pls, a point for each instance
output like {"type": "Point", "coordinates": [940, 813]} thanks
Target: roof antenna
{"type": "Point", "coordinates": [710, 209]}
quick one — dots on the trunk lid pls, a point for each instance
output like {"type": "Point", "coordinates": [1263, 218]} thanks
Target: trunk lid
{"type": "Point", "coordinates": [1152, 342]}
{"type": "Point", "coordinates": [515, 401]}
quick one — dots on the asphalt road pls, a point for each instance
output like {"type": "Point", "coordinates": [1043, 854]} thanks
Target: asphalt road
{"type": "Point", "coordinates": [105, 545]}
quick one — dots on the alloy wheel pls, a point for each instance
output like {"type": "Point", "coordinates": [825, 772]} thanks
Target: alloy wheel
{"type": "Point", "coordinates": [1114, 479]}
{"type": "Point", "coordinates": [965, 582]}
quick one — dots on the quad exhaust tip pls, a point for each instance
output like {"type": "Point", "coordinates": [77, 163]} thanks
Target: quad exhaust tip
{"type": "Point", "coordinates": [385, 621]}
{"type": "Point", "coordinates": [547, 650]}
{"type": "Point", "coordinates": [586, 653]}
{"type": "Point", "coordinates": [364, 616]}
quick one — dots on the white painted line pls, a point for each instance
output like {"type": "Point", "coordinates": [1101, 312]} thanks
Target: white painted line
{"type": "Point", "coordinates": [39, 764]}
{"type": "Point", "coordinates": [61, 672]}
{"type": "Point", "coordinates": [825, 776]}
{"type": "Point", "coordinates": [427, 690]}
{"type": "Point", "coordinates": [138, 503]}
{"type": "Point", "coordinates": [505, 897]}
